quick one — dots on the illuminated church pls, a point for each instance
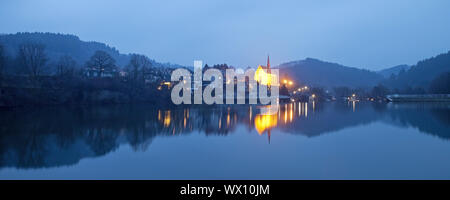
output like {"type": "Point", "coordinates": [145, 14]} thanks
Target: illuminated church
{"type": "Point", "coordinates": [264, 76]}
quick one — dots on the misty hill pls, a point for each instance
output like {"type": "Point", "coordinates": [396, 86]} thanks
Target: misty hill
{"type": "Point", "coordinates": [315, 72]}
{"type": "Point", "coordinates": [393, 70]}
{"type": "Point", "coordinates": [57, 45]}
{"type": "Point", "coordinates": [421, 74]}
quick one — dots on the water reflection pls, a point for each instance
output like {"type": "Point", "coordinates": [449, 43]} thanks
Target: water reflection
{"type": "Point", "coordinates": [51, 137]}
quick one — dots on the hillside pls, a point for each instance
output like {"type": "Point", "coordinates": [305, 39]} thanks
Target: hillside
{"type": "Point", "coordinates": [57, 45]}
{"type": "Point", "coordinates": [315, 72]}
{"type": "Point", "coordinates": [386, 73]}
{"type": "Point", "coordinates": [421, 74]}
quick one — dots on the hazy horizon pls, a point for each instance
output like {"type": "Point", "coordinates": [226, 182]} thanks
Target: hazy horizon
{"type": "Point", "coordinates": [372, 34]}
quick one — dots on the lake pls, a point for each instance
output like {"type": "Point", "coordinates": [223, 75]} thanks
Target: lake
{"type": "Point", "coordinates": [329, 140]}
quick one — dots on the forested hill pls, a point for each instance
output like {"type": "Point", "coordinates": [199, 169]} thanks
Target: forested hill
{"type": "Point", "coordinates": [421, 74]}
{"type": "Point", "coordinates": [57, 45]}
{"type": "Point", "coordinates": [315, 72]}
{"type": "Point", "coordinates": [394, 70]}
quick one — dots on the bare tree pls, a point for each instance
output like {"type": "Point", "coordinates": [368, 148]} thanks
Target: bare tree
{"type": "Point", "coordinates": [32, 58]}
{"type": "Point", "coordinates": [138, 67]}
{"type": "Point", "coordinates": [65, 66]}
{"type": "Point", "coordinates": [101, 62]}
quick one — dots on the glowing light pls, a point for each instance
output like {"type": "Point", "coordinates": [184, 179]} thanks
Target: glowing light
{"type": "Point", "coordinates": [167, 118]}
{"type": "Point", "coordinates": [306, 109]}
{"type": "Point", "coordinates": [299, 109]}
{"type": "Point", "coordinates": [265, 78]}
{"type": "Point", "coordinates": [285, 113]}
{"type": "Point", "coordinates": [291, 114]}
{"type": "Point", "coordinates": [228, 117]}
{"type": "Point", "coordinates": [264, 122]}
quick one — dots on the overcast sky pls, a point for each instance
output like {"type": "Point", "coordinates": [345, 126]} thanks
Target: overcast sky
{"type": "Point", "coordinates": [360, 33]}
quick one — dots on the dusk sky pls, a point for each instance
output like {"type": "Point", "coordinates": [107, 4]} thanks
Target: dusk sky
{"type": "Point", "coordinates": [366, 34]}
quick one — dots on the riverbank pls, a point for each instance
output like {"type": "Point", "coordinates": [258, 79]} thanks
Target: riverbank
{"type": "Point", "coordinates": [20, 91]}
{"type": "Point", "coordinates": [419, 98]}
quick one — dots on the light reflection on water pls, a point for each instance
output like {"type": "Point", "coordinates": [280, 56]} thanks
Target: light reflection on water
{"type": "Point", "coordinates": [50, 138]}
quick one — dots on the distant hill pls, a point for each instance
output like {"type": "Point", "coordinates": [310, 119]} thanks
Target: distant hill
{"type": "Point", "coordinates": [57, 45]}
{"type": "Point", "coordinates": [315, 72]}
{"type": "Point", "coordinates": [421, 74]}
{"type": "Point", "coordinates": [386, 73]}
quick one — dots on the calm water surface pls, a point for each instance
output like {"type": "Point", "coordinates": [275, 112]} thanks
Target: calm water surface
{"type": "Point", "coordinates": [297, 141]}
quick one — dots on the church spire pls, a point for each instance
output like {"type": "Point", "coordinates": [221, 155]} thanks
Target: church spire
{"type": "Point", "coordinates": [268, 62]}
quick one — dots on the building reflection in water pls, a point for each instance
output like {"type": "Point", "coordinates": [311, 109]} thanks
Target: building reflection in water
{"type": "Point", "coordinates": [38, 138]}
{"type": "Point", "coordinates": [260, 118]}
{"type": "Point", "coordinates": [266, 119]}
{"type": "Point", "coordinates": [269, 116]}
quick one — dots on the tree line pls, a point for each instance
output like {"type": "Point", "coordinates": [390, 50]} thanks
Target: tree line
{"type": "Point", "coordinates": [30, 70]}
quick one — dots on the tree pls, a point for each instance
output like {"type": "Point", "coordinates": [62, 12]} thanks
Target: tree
{"type": "Point", "coordinates": [101, 62]}
{"type": "Point", "coordinates": [65, 66]}
{"type": "Point", "coordinates": [137, 68]}
{"type": "Point", "coordinates": [441, 84]}
{"type": "Point", "coordinates": [2, 64]}
{"type": "Point", "coordinates": [342, 91]}
{"type": "Point", "coordinates": [379, 91]}
{"type": "Point", "coordinates": [283, 90]}
{"type": "Point", "coordinates": [32, 58]}
{"type": "Point", "coordinates": [319, 93]}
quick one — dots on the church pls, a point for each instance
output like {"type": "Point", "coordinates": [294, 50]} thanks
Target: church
{"type": "Point", "coordinates": [264, 76]}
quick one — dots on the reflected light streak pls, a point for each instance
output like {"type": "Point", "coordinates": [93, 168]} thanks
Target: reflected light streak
{"type": "Point", "coordinates": [299, 109]}
{"type": "Point", "coordinates": [306, 109]}
{"type": "Point", "coordinates": [250, 113]}
{"type": "Point", "coordinates": [291, 113]}
{"type": "Point", "coordinates": [265, 122]}
{"type": "Point", "coordinates": [167, 118]}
